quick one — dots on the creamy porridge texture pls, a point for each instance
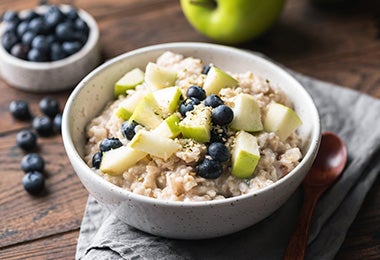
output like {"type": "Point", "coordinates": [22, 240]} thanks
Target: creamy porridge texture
{"type": "Point", "coordinates": [177, 174]}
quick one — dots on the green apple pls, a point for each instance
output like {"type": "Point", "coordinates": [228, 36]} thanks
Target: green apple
{"type": "Point", "coordinates": [129, 81]}
{"type": "Point", "coordinates": [232, 21]}
{"type": "Point", "coordinates": [116, 161]}
{"type": "Point", "coordinates": [154, 144]}
{"type": "Point", "coordinates": [197, 124]}
{"type": "Point", "coordinates": [158, 77]}
{"type": "Point", "coordinates": [169, 127]}
{"type": "Point", "coordinates": [281, 120]}
{"type": "Point", "coordinates": [217, 79]}
{"type": "Point", "coordinates": [247, 115]}
{"type": "Point", "coordinates": [147, 112]}
{"type": "Point", "coordinates": [129, 104]}
{"type": "Point", "coordinates": [245, 155]}
{"type": "Point", "coordinates": [168, 98]}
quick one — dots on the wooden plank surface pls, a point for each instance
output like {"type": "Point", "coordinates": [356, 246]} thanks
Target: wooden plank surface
{"type": "Point", "coordinates": [339, 45]}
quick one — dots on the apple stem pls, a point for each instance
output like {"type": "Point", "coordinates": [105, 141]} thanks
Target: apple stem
{"type": "Point", "coordinates": [212, 4]}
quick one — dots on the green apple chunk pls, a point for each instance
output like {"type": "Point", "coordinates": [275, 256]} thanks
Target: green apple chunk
{"type": "Point", "coordinates": [247, 115]}
{"type": "Point", "coordinates": [148, 113]}
{"type": "Point", "coordinates": [168, 98]}
{"type": "Point", "coordinates": [116, 161]}
{"type": "Point", "coordinates": [159, 77]}
{"type": "Point", "coordinates": [169, 127]}
{"type": "Point", "coordinates": [281, 120]}
{"type": "Point", "coordinates": [128, 105]}
{"type": "Point", "coordinates": [245, 155]}
{"type": "Point", "coordinates": [197, 124]}
{"type": "Point", "coordinates": [129, 81]}
{"type": "Point", "coordinates": [154, 144]}
{"type": "Point", "coordinates": [217, 79]}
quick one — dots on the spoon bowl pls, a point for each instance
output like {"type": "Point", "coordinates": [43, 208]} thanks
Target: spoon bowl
{"type": "Point", "coordinates": [329, 163]}
{"type": "Point", "coordinates": [327, 167]}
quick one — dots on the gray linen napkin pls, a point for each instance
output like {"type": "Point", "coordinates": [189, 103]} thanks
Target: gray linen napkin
{"type": "Point", "coordinates": [352, 115]}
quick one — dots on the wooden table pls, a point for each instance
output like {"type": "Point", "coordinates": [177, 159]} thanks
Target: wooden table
{"type": "Point", "coordinates": [338, 45]}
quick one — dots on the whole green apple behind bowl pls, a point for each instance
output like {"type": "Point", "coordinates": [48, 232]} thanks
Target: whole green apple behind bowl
{"type": "Point", "coordinates": [232, 21]}
{"type": "Point", "coordinates": [193, 212]}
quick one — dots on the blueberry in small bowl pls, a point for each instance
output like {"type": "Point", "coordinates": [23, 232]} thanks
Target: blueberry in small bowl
{"type": "Point", "coordinates": [48, 48]}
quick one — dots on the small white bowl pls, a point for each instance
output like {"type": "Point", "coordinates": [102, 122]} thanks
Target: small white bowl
{"type": "Point", "coordinates": [185, 220]}
{"type": "Point", "coordinates": [52, 76]}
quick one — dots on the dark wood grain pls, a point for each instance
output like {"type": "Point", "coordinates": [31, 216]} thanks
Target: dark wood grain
{"type": "Point", "coordinates": [340, 45]}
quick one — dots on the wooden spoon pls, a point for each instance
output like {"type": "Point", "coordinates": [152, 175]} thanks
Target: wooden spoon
{"type": "Point", "coordinates": [326, 169]}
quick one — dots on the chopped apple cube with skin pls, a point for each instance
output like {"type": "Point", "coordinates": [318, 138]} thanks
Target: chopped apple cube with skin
{"type": "Point", "coordinates": [281, 120]}
{"type": "Point", "coordinates": [129, 105]}
{"type": "Point", "coordinates": [129, 81]}
{"type": "Point", "coordinates": [159, 77]}
{"type": "Point", "coordinates": [169, 127]}
{"type": "Point", "coordinates": [154, 144]}
{"type": "Point", "coordinates": [245, 155]}
{"type": "Point", "coordinates": [217, 79]}
{"type": "Point", "coordinates": [168, 98]}
{"type": "Point", "coordinates": [147, 112]}
{"type": "Point", "coordinates": [197, 124]}
{"type": "Point", "coordinates": [116, 161]}
{"type": "Point", "coordinates": [247, 114]}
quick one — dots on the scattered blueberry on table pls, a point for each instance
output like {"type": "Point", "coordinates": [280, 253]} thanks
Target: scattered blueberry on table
{"type": "Point", "coordinates": [26, 140]}
{"type": "Point", "coordinates": [43, 125]}
{"type": "Point", "coordinates": [43, 37]}
{"type": "Point", "coordinates": [33, 182]}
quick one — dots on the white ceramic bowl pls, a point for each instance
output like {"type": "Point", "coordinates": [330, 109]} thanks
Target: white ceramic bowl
{"type": "Point", "coordinates": [56, 75]}
{"type": "Point", "coordinates": [185, 220]}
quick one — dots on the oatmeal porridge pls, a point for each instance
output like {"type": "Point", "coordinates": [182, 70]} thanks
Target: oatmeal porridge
{"type": "Point", "coordinates": [183, 130]}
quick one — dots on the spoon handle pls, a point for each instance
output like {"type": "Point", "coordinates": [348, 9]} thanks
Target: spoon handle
{"type": "Point", "coordinates": [297, 245]}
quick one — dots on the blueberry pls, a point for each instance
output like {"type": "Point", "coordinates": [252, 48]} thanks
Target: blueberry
{"type": "Point", "coordinates": [49, 106]}
{"type": "Point", "coordinates": [81, 26]}
{"type": "Point", "coordinates": [72, 14]}
{"type": "Point", "coordinates": [71, 47]}
{"type": "Point", "coordinates": [57, 52]}
{"type": "Point", "coordinates": [20, 50]}
{"type": "Point", "coordinates": [209, 169]}
{"type": "Point", "coordinates": [197, 92]}
{"type": "Point", "coordinates": [128, 129]}
{"type": "Point", "coordinates": [10, 16]}
{"type": "Point", "coordinates": [206, 68]}
{"type": "Point", "coordinates": [43, 125]}
{"type": "Point", "coordinates": [57, 122]}
{"type": "Point", "coordinates": [219, 152]}
{"type": "Point", "coordinates": [37, 55]}
{"type": "Point", "coordinates": [219, 134]}
{"type": "Point", "coordinates": [188, 105]}
{"type": "Point", "coordinates": [213, 101]}
{"type": "Point", "coordinates": [32, 162]}
{"type": "Point", "coordinates": [110, 143]}
{"type": "Point", "coordinates": [8, 40]}
{"type": "Point", "coordinates": [222, 115]}
{"type": "Point", "coordinates": [28, 37]}
{"type": "Point", "coordinates": [19, 109]}
{"type": "Point", "coordinates": [53, 16]}
{"type": "Point", "coordinates": [40, 42]}
{"type": "Point", "coordinates": [26, 140]}
{"type": "Point", "coordinates": [22, 28]}
{"type": "Point", "coordinates": [65, 31]}
{"type": "Point", "coordinates": [11, 27]}
{"type": "Point", "coordinates": [33, 182]}
{"type": "Point", "coordinates": [97, 159]}
{"type": "Point", "coordinates": [38, 25]}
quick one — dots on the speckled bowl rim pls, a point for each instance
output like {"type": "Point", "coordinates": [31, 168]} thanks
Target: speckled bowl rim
{"type": "Point", "coordinates": [70, 147]}
{"type": "Point", "coordinates": [92, 41]}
